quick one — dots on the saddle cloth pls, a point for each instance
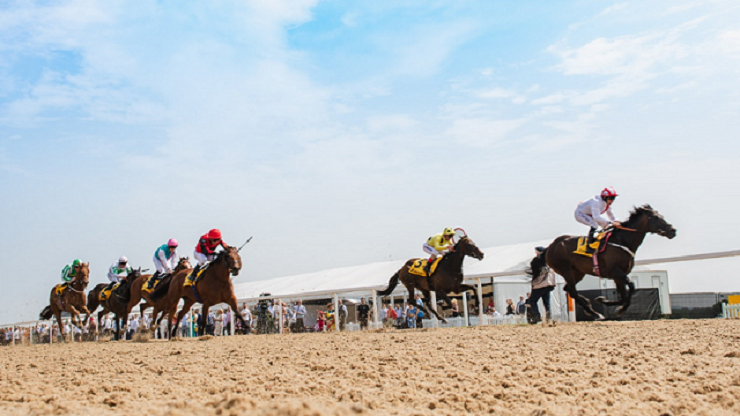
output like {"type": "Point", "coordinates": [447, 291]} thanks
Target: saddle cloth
{"type": "Point", "coordinates": [145, 286]}
{"type": "Point", "coordinates": [105, 293]}
{"type": "Point", "coordinates": [597, 246]}
{"type": "Point", "coordinates": [190, 280]}
{"type": "Point", "coordinates": [417, 267]}
{"type": "Point", "coordinates": [59, 289]}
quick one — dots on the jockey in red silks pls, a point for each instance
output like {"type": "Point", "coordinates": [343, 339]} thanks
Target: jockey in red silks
{"type": "Point", "coordinates": [589, 212]}
{"type": "Point", "coordinates": [205, 251]}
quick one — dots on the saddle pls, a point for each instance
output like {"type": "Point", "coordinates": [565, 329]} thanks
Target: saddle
{"type": "Point", "coordinates": [418, 266]}
{"type": "Point", "coordinates": [150, 284]}
{"type": "Point", "coordinates": [105, 293]}
{"type": "Point", "coordinates": [191, 280]}
{"type": "Point", "coordinates": [59, 289]}
{"type": "Point", "coordinates": [597, 246]}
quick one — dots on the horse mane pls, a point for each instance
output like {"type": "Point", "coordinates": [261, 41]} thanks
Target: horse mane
{"type": "Point", "coordinates": [636, 213]}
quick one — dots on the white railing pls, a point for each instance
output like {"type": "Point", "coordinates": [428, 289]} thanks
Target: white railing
{"type": "Point", "coordinates": [730, 311]}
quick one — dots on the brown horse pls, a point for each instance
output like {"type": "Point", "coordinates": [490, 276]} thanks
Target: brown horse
{"type": "Point", "coordinates": [446, 279]}
{"type": "Point", "coordinates": [71, 301]}
{"type": "Point", "coordinates": [137, 292]}
{"type": "Point", "coordinates": [213, 287]}
{"type": "Point", "coordinates": [615, 262]}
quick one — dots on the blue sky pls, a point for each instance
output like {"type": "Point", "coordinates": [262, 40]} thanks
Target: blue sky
{"type": "Point", "coordinates": [339, 133]}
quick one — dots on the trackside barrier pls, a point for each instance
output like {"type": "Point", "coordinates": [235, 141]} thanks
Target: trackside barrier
{"type": "Point", "coordinates": [730, 311]}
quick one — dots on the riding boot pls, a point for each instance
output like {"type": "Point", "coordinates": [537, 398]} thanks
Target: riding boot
{"type": "Point", "coordinates": [428, 267]}
{"type": "Point", "coordinates": [590, 240]}
{"type": "Point", "coordinates": [150, 285]}
{"type": "Point", "coordinates": [194, 273]}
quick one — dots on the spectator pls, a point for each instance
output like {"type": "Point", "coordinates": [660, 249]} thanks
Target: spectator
{"type": "Point", "coordinates": [521, 306]}
{"type": "Point", "coordinates": [419, 307]}
{"type": "Point", "coordinates": [510, 307]}
{"type": "Point", "coordinates": [247, 315]}
{"type": "Point", "coordinates": [490, 306]}
{"type": "Point", "coordinates": [391, 317]}
{"type": "Point", "coordinates": [400, 316]}
{"type": "Point", "coordinates": [542, 285]}
{"type": "Point", "coordinates": [210, 323]}
{"type": "Point", "coordinates": [330, 317]}
{"type": "Point", "coordinates": [495, 313]}
{"type": "Point", "coordinates": [363, 313]}
{"type": "Point", "coordinates": [410, 316]}
{"type": "Point", "coordinates": [342, 316]}
{"type": "Point", "coordinates": [321, 321]}
{"type": "Point", "coordinates": [300, 313]}
{"type": "Point", "coordinates": [455, 309]}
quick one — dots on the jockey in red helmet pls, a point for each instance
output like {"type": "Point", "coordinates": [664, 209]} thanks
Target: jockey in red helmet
{"type": "Point", "coordinates": [589, 212]}
{"type": "Point", "coordinates": [205, 251]}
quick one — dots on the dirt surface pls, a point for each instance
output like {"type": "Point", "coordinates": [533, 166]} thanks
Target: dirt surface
{"type": "Point", "coordinates": [662, 367]}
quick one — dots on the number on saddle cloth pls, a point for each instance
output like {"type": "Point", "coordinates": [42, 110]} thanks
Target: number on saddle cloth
{"type": "Point", "coordinates": [105, 293]}
{"type": "Point", "coordinates": [417, 267]}
{"type": "Point", "coordinates": [596, 247]}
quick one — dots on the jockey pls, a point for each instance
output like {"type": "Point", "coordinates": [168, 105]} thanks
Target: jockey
{"type": "Point", "coordinates": [589, 212]}
{"type": "Point", "coordinates": [69, 272]}
{"type": "Point", "coordinates": [165, 260]}
{"type": "Point", "coordinates": [205, 251]}
{"type": "Point", "coordinates": [438, 245]}
{"type": "Point", "coordinates": [118, 272]}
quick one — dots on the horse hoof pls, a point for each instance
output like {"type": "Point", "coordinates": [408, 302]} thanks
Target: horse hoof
{"type": "Point", "coordinates": [600, 299]}
{"type": "Point", "coordinates": [619, 312]}
{"type": "Point", "coordinates": [599, 317]}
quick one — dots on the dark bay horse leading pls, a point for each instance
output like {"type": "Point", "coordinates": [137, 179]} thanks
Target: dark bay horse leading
{"type": "Point", "coordinates": [71, 301]}
{"type": "Point", "coordinates": [213, 287]}
{"type": "Point", "coordinates": [446, 279]}
{"type": "Point", "coordinates": [615, 262]}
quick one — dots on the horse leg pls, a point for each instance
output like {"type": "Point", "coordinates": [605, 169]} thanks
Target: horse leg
{"type": "Point", "coordinates": [432, 310]}
{"type": "Point", "coordinates": [204, 319]}
{"type": "Point", "coordinates": [58, 315]}
{"type": "Point", "coordinates": [185, 308]}
{"type": "Point", "coordinates": [235, 310]}
{"type": "Point", "coordinates": [583, 301]}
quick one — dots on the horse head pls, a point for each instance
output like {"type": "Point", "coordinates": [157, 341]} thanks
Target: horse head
{"type": "Point", "coordinates": [647, 219]}
{"type": "Point", "coordinates": [133, 275]}
{"type": "Point", "coordinates": [183, 264]}
{"type": "Point", "coordinates": [467, 247]}
{"type": "Point", "coordinates": [230, 255]}
{"type": "Point", "coordinates": [83, 276]}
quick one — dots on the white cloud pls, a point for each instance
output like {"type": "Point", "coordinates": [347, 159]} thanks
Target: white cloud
{"type": "Point", "coordinates": [483, 132]}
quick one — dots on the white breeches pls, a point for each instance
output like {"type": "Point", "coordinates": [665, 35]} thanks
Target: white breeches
{"type": "Point", "coordinates": [432, 251]}
{"type": "Point", "coordinates": [586, 219]}
{"type": "Point", "coordinates": [202, 258]}
{"type": "Point", "coordinates": [165, 267]}
{"type": "Point", "coordinates": [114, 278]}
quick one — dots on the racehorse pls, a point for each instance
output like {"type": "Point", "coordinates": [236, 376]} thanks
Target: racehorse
{"type": "Point", "coordinates": [119, 295]}
{"type": "Point", "coordinates": [137, 292]}
{"type": "Point", "coordinates": [615, 262]}
{"type": "Point", "coordinates": [72, 300]}
{"type": "Point", "coordinates": [213, 287]}
{"type": "Point", "coordinates": [447, 278]}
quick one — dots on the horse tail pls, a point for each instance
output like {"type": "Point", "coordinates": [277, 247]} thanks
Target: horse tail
{"type": "Point", "coordinates": [391, 285]}
{"type": "Point", "coordinates": [537, 264]}
{"type": "Point", "coordinates": [46, 314]}
{"type": "Point", "coordinates": [161, 289]}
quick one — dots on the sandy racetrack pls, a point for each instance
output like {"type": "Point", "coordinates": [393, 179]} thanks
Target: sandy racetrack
{"type": "Point", "coordinates": [661, 367]}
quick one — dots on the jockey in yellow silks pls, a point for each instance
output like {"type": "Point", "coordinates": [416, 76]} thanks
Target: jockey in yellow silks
{"type": "Point", "coordinates": [438, 245]}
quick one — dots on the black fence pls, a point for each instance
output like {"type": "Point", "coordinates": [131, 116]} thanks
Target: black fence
{"type": "Point", "coordinates": [645, 305]}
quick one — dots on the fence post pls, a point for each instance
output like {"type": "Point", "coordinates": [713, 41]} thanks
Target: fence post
{"type": "Point", "coordinates": [375, 308]}
{"type": "Point", "coordinates": [280, 315]}
{"type": "Point", "coordinates": [433, 304]}
{"type": "Point", "coordinates": [571, 309]}
{"type": "Point", "coordinates": [465, 308]}
{"type": "Point", "coordinates": [480, 301]}
{"type": "Point", "coordinates": [336, 312]}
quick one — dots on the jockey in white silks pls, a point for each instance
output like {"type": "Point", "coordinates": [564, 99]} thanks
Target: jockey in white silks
{"type": "Point", "coordinates": [590, 211]}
